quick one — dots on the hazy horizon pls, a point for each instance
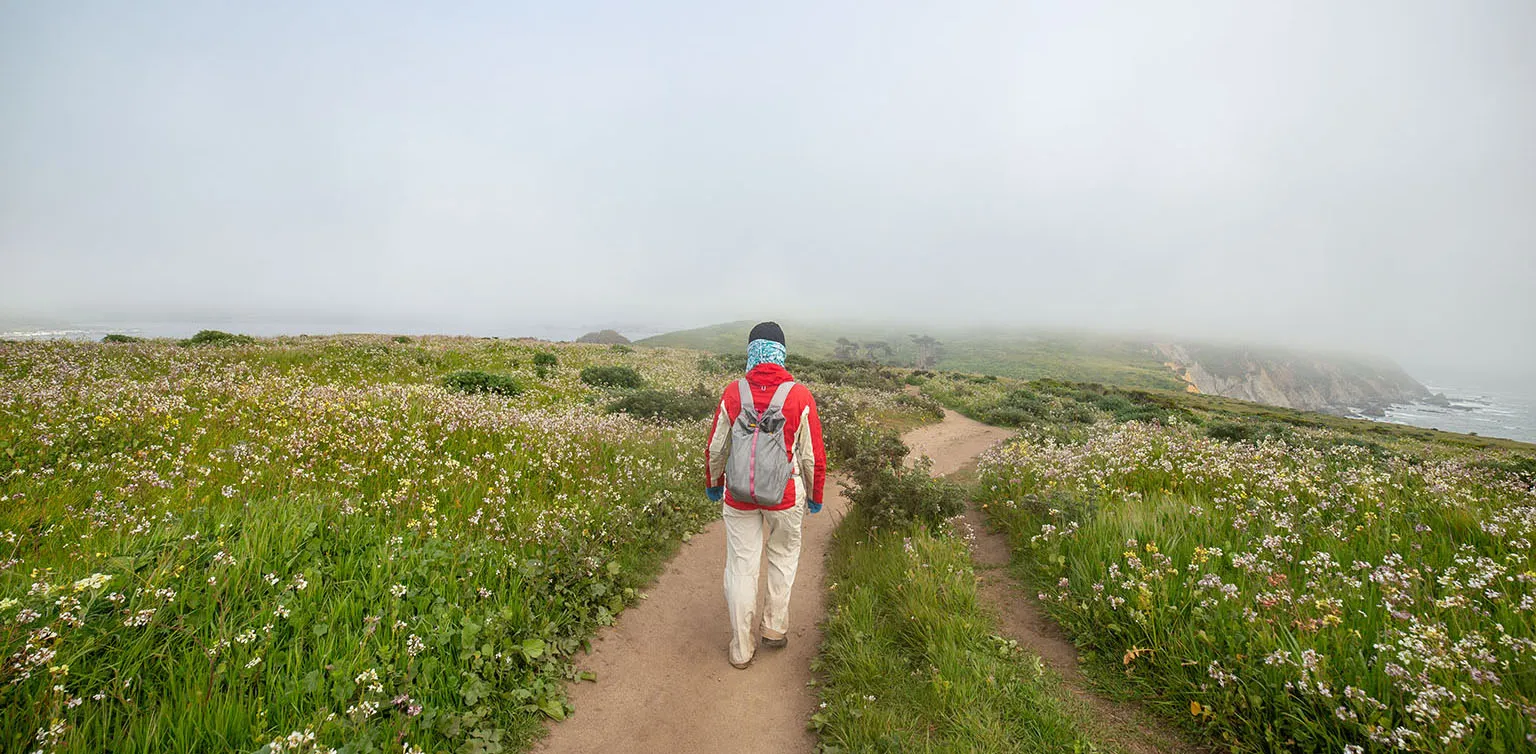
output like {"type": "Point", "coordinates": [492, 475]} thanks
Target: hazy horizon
{"type": "Point", "coordinates": [1355, 177]}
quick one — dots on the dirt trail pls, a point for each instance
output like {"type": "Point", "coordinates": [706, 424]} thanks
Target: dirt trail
{"type": "Point", "coordinates": [954, 445]}
{"type": "Point", "coordinates": [663, 682]}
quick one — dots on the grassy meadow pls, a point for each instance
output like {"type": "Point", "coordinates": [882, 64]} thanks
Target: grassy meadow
{"type": "Point", "coordinates": [1280, 581]}
{"type": "Point", "coordinates": [374, 543]}
{"type": "Point", "coordinates": [1021, 354]}
{"type": "Point", "coordinates": [314, 544]}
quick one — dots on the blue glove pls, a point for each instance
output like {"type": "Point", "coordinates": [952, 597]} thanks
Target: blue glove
{"type": "Point", "coordinates": [814, 506]}
{"type": "Point", "coordinates": [715, 494]}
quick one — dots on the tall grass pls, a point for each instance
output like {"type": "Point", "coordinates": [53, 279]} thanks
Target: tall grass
{"type": "Point", "coordinates": [911, 660]}
{"type": "Point", "coordinates": [303, 544]}
{"type": "Point", "coordinates": [311, 542]}
{"type": "Point", "coordinates": [1311, 595]}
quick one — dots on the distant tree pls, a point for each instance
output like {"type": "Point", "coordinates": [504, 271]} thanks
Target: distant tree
{"type": "Point", "coordinates": [877, 346]}
{"type": "Point", "coordinates": [846, 350]}
{"type": "Point", "coordinates": [928, 349]}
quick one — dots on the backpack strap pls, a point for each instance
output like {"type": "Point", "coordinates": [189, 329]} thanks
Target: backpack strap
{"type": "Point", "coordinates": [746, 397]}
{"type": "Point", "coordinates": [780, 396]}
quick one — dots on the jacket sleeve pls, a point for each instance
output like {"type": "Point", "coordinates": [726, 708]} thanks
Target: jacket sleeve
{"type": "Point", "coordinates": [810, 454]}
{"type": "Point", "coordinates": [718, 449]}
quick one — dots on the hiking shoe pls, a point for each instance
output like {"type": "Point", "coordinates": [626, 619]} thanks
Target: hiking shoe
{"type": "Point", "coordinates": [742, 666]}
{"type": "Point", "coordinates": [778, 643]}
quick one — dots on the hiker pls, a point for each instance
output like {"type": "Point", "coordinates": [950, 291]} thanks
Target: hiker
{"type": "Point", "coordinates": [766, 463]}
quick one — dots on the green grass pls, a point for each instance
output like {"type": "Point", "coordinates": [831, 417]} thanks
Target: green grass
{"type": "Point", "coordinates": [911, 661]}
{"type": "Point", "coordinates": [1022, 354]}
{"type": "Point", "coordinates": [1298, 594]}
{"type": "Point", "coordinates": [214, 548]}
{"type": "Point", "coordinates": [1066, 408]}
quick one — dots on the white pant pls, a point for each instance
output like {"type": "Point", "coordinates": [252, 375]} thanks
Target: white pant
{"type": "Point", "coordinates": [744, 534]}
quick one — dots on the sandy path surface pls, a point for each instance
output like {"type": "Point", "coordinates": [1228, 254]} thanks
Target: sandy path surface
{"type": "Point", "coordinates": [953, 443]}
{"type": "Point", "coordinates": [663, 680]}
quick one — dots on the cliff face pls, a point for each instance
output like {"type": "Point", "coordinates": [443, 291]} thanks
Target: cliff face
{"type": "Point", "coordinates": [1311, 382]}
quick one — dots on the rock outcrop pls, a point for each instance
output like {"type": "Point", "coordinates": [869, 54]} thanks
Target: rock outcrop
{"type": "Point", "coordinates": [1345, 386]}
{"type": "Point", "coordinates": [604, 337]}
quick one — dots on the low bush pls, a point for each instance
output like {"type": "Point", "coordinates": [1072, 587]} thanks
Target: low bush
{"type": "Point", "coordinates": [665, 405]}
{"type": "Point", "coordinates": [116, 338]}
{"type": "Point", "coordinates": [616, 376]}
{"type": "Point", "coordinates": [929, 407]}
{"type": "Point", "coordinates": [891, 494]}
{"type": "Point", "coordinates": [402, 339]}
{"type": "Point", "coordinates": [543, 362]}
{"type": "Point", "coordinates": [217, 338]}
{"type": "Point", "coordinates": [859, 374]}
{"type": "Point", "coordinates": [1249, 431]}
{"type": "Point", "coordinates": [475, 381]}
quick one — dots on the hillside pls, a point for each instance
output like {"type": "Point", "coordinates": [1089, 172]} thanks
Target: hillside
{"type": "Point", "coordinates": [1332, 383]}
{"type": "Point", "coordinates": [1085, 357]}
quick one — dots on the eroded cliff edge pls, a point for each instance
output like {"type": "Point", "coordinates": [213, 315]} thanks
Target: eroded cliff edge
{"type": "Point", "coordinates": [1341, 385]}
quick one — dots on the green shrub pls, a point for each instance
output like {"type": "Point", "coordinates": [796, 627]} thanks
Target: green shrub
{"type": "Point", "coordinates": [1251, 431]}
{"type": "Point", "coordinates": [931, 408]}
{"type": "Point", "coordinates": [665, 405]}
{"type": "Point", "coordinates": [861, 374]}
{"type": "Point", "coordinates": [217, 338]}
{"type": "Point", "coordinates": [890, 494]}
{"type": "Point", "coordinates": [475, 381]}
{"type": "Point", "coordinates": [115, 338]}
{"type": "Point", "coordinates": [402, 339]}
{"type": "Point", "coordinates": [616, 376]}
{"type": "Point", "coordinates": [543, 362]}
{"type": "Point", "coordinates": [621, 348]}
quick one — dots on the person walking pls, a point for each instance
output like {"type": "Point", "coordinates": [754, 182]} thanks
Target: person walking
{"type": "Point", "coordinates": [766, 464]}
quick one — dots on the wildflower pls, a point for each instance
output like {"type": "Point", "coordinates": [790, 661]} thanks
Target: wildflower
{"type": "Point", "coordinates": [94, 581]}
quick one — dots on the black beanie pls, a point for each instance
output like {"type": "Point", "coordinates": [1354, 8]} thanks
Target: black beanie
{"type": "Point", "coordinates": [768, 331]}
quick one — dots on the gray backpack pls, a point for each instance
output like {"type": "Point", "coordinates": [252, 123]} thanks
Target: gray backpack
{"type": "Point", "coordinates": [758, 469]}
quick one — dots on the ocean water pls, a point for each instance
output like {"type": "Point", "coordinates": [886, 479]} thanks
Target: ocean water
{"type": "Point", "coordinates": [1508, 412]}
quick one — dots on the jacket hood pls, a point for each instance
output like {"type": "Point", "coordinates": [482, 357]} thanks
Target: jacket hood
{"type": "Point", "coordinates": [768, 375]}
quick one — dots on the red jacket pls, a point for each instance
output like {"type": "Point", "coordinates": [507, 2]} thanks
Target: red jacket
{"type": "Point", "coordinates": [802, 435]}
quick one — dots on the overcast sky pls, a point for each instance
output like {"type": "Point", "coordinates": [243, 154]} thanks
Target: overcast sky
{"type": "Point", "coordinates": [1341, 173]}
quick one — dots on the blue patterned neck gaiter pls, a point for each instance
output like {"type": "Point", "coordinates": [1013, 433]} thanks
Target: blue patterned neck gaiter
{"type": "Point", "coordinates": [765, 352]}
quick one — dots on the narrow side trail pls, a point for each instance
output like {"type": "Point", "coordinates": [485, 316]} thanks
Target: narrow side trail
{"type": "Point", "coordinates": [953, 445]}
